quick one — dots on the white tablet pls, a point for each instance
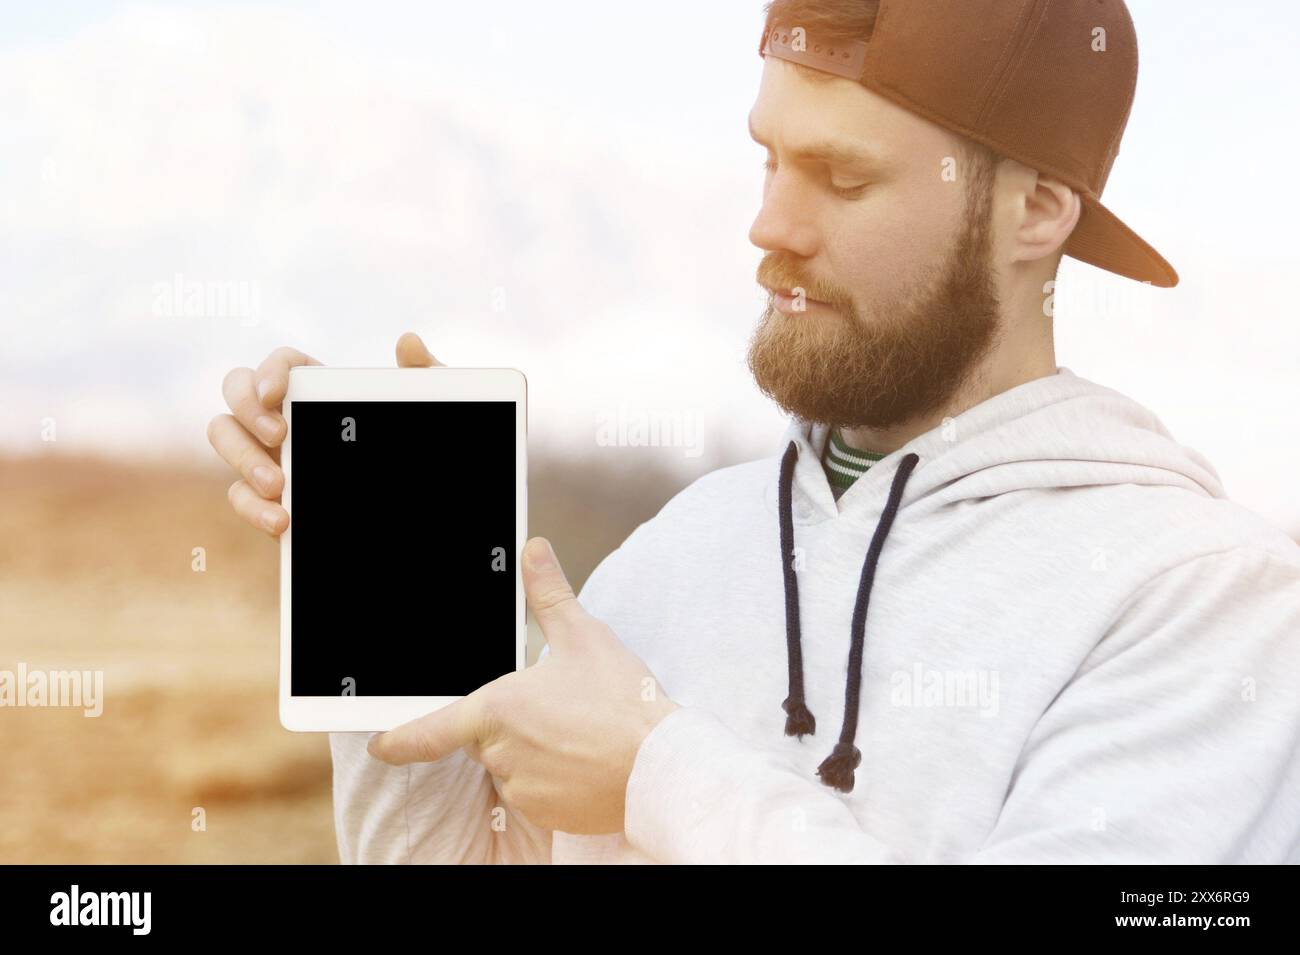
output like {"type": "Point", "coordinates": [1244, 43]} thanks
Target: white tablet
{"type": "Point", "coordinates": [400, 588]}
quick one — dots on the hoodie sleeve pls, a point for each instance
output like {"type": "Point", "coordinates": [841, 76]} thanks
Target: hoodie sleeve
{"type": "Point", "coordinates": [445, 812]}
{"type": "Point", "coordinates": [1176, 741]}
{"type": "Point", "coordinates": [449, 811]}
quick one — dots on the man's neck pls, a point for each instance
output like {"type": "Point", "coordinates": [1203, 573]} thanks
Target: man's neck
{"type": "Point", "coordinates": [984, 383]}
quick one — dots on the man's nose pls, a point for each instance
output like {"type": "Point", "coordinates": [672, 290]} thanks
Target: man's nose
{"type": "Point", "coordinates": [784, 223]}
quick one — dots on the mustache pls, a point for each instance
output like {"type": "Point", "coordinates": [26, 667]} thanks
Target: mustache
{"type": "Point", "coordinates": [780, 270]}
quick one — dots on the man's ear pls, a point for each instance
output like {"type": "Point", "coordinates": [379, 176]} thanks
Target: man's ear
{"type": "Point", "coordinates": [1049, 213]}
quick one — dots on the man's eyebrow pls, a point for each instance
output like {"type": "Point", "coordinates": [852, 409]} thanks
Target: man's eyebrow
{"type": "Point", "coordinates": [828, 151]}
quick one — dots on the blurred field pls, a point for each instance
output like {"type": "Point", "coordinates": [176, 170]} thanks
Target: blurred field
{"type": "Point", "coordinates": [95, 573]}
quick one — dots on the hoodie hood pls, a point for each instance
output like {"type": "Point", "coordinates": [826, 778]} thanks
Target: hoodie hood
{"type": "Point", "coordinates": [1056, 431]}
{"type": "Point", "coordinates": [1060, 430]}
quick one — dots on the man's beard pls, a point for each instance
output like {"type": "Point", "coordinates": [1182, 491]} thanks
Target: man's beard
{"type": "Point", "coordinates": [907, 361]}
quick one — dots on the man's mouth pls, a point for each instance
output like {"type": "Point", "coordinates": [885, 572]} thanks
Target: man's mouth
{"type": "Point", "coordinates": [796, 302]}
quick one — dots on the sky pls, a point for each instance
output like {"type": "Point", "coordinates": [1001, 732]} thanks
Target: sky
{"type": "Point", "coordinates": [563, 188]}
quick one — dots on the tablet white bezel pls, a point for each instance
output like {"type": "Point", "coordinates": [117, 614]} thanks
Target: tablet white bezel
{"type": "Point", "coordinates": [321, 714]}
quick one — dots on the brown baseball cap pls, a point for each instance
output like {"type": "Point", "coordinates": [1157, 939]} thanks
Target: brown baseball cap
{"type": "Point", "coordinates": [1048, 83]}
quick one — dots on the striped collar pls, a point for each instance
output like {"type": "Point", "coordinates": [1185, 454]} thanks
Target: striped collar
{"type": "Point", "coordinates": [844, 464]}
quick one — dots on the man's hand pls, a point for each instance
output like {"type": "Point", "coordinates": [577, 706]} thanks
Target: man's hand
{"type": "Point", "coordinates": [249, 439]}
{"type": "Point", "coordinates": [562, 735]}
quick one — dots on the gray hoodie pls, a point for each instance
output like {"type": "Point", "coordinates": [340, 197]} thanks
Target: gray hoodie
{"type": "Point", "coordinates": [1070, 647]}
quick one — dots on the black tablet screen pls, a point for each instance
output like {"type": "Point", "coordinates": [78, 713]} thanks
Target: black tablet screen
{"type": "Point", "coordinates": [403, 547]}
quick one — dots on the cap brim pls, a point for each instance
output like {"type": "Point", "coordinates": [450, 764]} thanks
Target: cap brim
{"type": "Point", "coordinates": [1101, 239]}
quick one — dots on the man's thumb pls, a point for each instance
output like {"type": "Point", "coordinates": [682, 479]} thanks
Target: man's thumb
{"type": "Point", "coordinates": [411, 353]}
{"type": "Point", "coordinates": [547, 589]}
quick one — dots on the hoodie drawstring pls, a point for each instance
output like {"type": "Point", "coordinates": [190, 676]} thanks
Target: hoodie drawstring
{"type": "Point", "coordinates": [837, 769]}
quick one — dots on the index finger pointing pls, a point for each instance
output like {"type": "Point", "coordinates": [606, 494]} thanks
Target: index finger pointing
{"type": "Point", "coordinates": [429, 738]}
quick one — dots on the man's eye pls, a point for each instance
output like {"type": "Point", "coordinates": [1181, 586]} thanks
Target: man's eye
{"type": "Point", "coordinates": [849, 192]}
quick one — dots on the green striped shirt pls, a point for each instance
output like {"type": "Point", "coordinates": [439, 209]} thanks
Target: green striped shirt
{"type": "Point", "coordinates": [844, 464]}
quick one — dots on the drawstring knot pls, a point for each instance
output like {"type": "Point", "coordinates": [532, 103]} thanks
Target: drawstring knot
{"type": "Point", "coordinates": [837, 769]}
{"type": "Point", "coordinates": [799, 719]}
